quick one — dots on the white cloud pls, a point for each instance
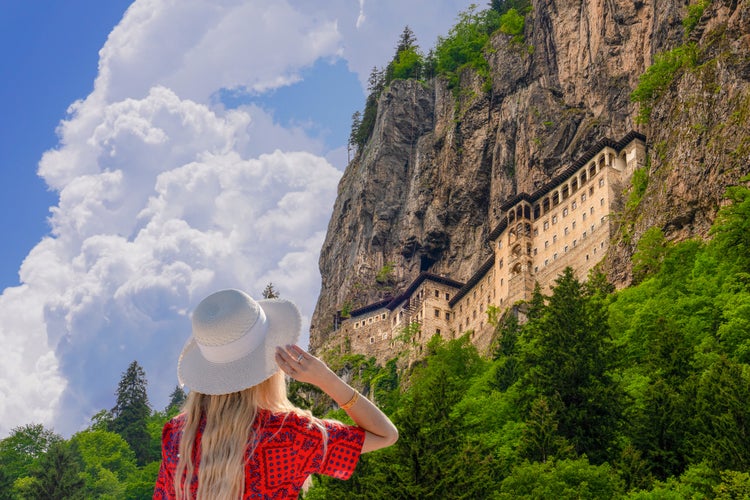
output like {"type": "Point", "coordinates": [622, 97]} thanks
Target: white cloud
{"type": "Point", "coordinates": [164, 196]}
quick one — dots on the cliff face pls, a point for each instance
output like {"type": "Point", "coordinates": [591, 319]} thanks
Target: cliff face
{"type": "Point", "coordinates": [426, 189]}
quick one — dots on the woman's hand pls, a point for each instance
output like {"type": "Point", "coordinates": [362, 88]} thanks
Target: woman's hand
{"type": "Point", "coordinates": [302, 366]}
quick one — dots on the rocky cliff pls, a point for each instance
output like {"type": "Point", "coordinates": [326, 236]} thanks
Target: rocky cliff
{"type": "Point", "coordinates": [424, 192]}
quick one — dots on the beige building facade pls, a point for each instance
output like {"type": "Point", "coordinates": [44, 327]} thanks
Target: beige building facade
{"type": "Point", "coordinates": [566, 223]}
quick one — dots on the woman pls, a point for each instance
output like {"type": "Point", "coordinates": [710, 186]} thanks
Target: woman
{"type": "Point", "coordinates": [238, 436]}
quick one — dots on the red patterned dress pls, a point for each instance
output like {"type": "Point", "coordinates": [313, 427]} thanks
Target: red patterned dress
{"type": "Point", "coordinates": [289, 450]}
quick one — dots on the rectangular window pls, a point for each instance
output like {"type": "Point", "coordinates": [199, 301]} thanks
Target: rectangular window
{"type": "Point", "coordinates": [565, 231]}
{"type": "Point", "coordinates": [573, 225]}
{"type": "Point", "coordinates": [546, 225]}
{"type": "Point", "coordinates": [447, 296]}
{"type": "Point", "coordinates": [583, 197]}
{"type": "Point", "coordinates": [565, 212]}
{"type": "Point", "coordinates": [591, 210]}
{"type": "Point", "coordinates": [554, 238]}
{"type": "Point", "coordinates": [574, 205]}
{"type": "Point", "coordinates": [437, 293]}
{"type": "Point", "coordinates": [566, 248]}
{"type": "Point", "coordinates": [554, 219]}
{"type": "Point", "coordinates": [437, 313]}
{"type": "Point", "coordinates": [546, 244]}
{"type": "Point", "coordinates": [601, 182]}
{"type": "Point", "coordinates": [447, 316]}
{"type": "Point", "coordinates": [601, 202]}
{"type": "Point", "coordinates": [437, 331]}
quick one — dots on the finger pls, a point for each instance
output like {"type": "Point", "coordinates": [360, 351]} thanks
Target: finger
{"type": "Point", "coordinates": [295, 351]}
{"type": "Point", "coordinates": [282, 359]}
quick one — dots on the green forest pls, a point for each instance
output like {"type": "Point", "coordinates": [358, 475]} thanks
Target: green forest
{"type": "Point", "coordinates": [640, 393]}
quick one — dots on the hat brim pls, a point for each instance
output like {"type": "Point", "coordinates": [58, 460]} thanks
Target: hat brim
{"type": "Point", "coordinates": [206, 377]}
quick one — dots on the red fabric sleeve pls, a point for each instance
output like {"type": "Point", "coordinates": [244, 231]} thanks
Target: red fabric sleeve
{"type": "Point", "coordinates": [344, 449]}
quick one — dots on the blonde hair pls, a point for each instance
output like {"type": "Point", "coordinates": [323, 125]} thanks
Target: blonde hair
{"type": "Point", "coordinates": [228, 438]}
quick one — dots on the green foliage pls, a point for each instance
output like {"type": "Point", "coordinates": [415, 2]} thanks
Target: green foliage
{"type": "Point", "coordinates": [650, 252]}
{"type": "Point", "coordinates": [731, 231]}
{"type": "Point", "coordinates": [657, 78]}
{"type": "Point", "coordinates": [346, 309]}
{"type": "Point", "coordinates": [56, 475]}
{"type": "Point", "coordinates": [408, 65]}
{"type": "Point", "coordinates": [564, 479]}
{"type": "Point", "coordinates": [722, 413]}
{"type": "Point", "coordinates": [465, 44]}
{"type": "Point", "coordinates": [694, 14]}
{"type": "Point", "coordinates": [512, 23]}
{"type": "Point", "coordinates": [23, 447]}
{"type": "Point", "coordinates": [409, 332]}
{"type": "Point", "coordinates": [639, 182]}
{"type": "Point", "coordinates": [385, 274]}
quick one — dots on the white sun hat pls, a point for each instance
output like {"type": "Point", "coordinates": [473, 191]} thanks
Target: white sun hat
{"type": "Point", "coordinates": [233, 341]}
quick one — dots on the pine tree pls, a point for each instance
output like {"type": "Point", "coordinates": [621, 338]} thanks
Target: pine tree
{"type": "Point", "coordinates": [406, 41]}
{"type": "Point", "coordinates": [131, 413]}
{"type": "Point", "coordinates": [176, 400]}
{"type": "Point", "coordinates": [568, 359]}
{"type": "Point", "coordinates": [352, 145]}
{"type": "Point", "coordinates": [270, 292]}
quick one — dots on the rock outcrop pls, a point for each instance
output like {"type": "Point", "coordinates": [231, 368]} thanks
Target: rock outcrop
{"type": "Point", "coordinates": [425, 190]}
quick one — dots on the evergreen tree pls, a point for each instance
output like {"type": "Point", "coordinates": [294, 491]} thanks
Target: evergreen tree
{"type": "Point", "coordinates": [57, 475]}
{"type": "Point", "coordinates": [352, 145]}
{"type": "Point", "coordinates": [568, 359]}
{"type": "Point", "coordinates": [406, 41]}
{"type": "Point", "coordinates": [131, 413]}
{"type": "Point", "coordinates": [176, 400]}
{"type": "Point", "coordinates": [270, 292]}
{"type": "Point", "coordinates": [722, 431]}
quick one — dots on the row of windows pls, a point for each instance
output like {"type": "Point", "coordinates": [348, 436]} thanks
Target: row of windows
{"type": "Point", "coordinates": [566, 232]}
{"type": "Point", "coordinates": [554, 256]}
{"type": "Point", "coordinates": [370, 320]}
{"type": "Point", "coordinates": [546, 224]}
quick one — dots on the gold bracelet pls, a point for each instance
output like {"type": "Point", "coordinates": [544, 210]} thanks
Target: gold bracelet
{"type": "Point", "coordinates": [346, 406]}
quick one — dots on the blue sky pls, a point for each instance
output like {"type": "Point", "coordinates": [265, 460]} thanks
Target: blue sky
{"type": "Point", "coordinates": [50, 55]}
{"type": "Point", "coordinates": [153, 152]}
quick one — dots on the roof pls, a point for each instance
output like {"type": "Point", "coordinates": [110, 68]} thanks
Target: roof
{"type": "Point", "coordinates": [473, 280]}
{"type": "Point", "coordinates": [392, 303]}
{"type": "Point", "coordinates": [415, 284]}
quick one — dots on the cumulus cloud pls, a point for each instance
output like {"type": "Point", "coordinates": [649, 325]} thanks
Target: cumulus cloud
{"type": "Point", "coordinates": [166, 196]}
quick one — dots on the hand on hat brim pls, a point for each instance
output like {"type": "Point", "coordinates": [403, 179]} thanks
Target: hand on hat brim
{"type": "Point", "coordinates": [302, 366]}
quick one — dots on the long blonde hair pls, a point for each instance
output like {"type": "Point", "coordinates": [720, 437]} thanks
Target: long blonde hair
{"type": "Point", "coordinates": [228, 437]}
